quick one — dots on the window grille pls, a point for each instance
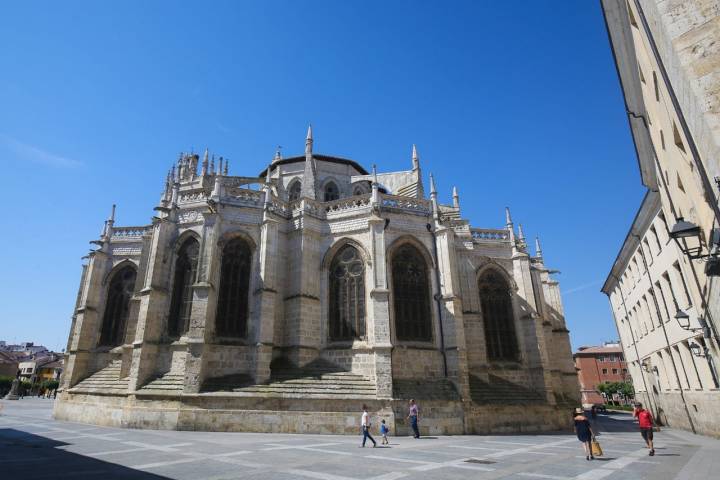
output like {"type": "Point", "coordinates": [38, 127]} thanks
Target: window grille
{"type": "Point", "coordinates": [347, 295]}
{"type": "Point", "coordinates": [411, 292]}
{"type": "Point", "coordinates": [498, 317]}
{"type": "Point", "coordinates": [232, 309]}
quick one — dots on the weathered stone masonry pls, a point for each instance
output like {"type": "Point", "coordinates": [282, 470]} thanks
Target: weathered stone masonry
{"type": "Point", "coordinates": [285, 308]}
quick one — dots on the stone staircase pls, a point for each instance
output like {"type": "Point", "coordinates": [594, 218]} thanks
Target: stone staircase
{"type": "Point", "coordinates": [500, 391]}
{"type": "Point", "coordinates": [171, 383]}
{"type": "Point", "coordinates": [316, 380]}
{"type": "Point", "coordinates": [105, 381]}
{"type": "Point", "coordinates": [431, 389]}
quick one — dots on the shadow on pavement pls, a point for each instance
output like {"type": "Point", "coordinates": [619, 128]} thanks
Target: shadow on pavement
{"type": "Point", "coordinates": [27, 456]}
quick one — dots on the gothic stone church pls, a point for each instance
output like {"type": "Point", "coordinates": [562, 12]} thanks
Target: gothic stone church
{"type": "Point", "coordinates": [283, 302]}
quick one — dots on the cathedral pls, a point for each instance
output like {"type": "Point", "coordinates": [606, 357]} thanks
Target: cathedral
{"type": "Point", "coordinates": [285, 301]}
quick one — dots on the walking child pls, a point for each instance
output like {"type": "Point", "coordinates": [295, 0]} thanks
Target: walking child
{"type": "Point", "coordinates": [384, 431]}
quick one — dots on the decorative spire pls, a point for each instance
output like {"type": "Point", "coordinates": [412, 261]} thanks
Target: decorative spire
{"type": "Point", "coordinates": [510, 229]}
{"type": "Point", "coordinates": [205, 163]}
{"type": "Point", "coordinates": [508, 218]}
{"type": "Point", "coordinates": [521, 235]}
{"type": "Point", "coordinates": [267, 187]}
{"type": "Point", "coordinates": [278, 155]}
{"type": "Point", "coordinates": [111, 218]}
{"type": "Point", "coordinates": [220, 166]}
{"type": "Point", "coordinates": [172, 174]}
{"type": "Point", "coordinates": [309, 175]}
{"type": "Point", "coordinates": [212, 165]}
{"type": "Point", "coordinates": [538, 250]}
{"type": "Point", "coordinates": [433, 199]}
{"type": "Point", "coordinates": [309, 140]}
{"type": "Point", "coordinates": [456, 198]}
{"type": "Point", "coordinates": [433, 190]}
{"type": "Point", "coordinates": [374, 196]}
{"type": "Point", "coordinates": [374, 173]}
{"type": "Point", "coordinates": [227, 167]}
{"type": "Point", "coordinates": [415, 158]}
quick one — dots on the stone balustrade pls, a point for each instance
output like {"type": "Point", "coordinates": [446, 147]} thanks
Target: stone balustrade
{"type": "Point", "coordinates": [490, 234]}
{"type": "Point", "coordinates": [406, 204]}
{"type": "Point", "coordinates": [135, 233]}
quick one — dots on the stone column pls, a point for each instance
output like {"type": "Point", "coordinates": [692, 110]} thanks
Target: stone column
{"type": "Point", "coordinates": [451, 311]}
{"type": "Point", "coordinates": [202, 316]}
{"type": "Point", "coordinates": [84, 336]}
{"type": "Point", "coordinates": [268, 293]}
{"type": "Point", "coordinates": [379, 336]}
{"type": "Point", "coordinates": [153, 306]}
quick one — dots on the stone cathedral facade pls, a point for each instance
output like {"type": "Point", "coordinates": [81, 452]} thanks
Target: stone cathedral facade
{"type": "Point", "coordinates": [284, 301]}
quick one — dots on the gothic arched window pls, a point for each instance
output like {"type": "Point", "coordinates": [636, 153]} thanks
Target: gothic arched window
{"type": "Point", "coordinates": [232, 309]}
{"type": "Point", "coordinates": [347, 295]}
{"type": "Point", "coordinates": [411, 295]}
{"type": "Point", "coordinates": [117, 306]}
{"type": "Point", "coordinates": [358, 190]}
{"type": "Point", "coordinates": [182, 294]}
{"type": "Point", "coordinates": [295, 190]}
{"type": "Point", "coordinates": [498, 318]}
{"type": "Point", "coordinates": [331, 192]}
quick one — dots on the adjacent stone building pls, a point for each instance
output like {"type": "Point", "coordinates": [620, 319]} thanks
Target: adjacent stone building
{"type": "Point", "coordinates": [284, 301]}
{"type": "Point", "coordinates": [667, 54]}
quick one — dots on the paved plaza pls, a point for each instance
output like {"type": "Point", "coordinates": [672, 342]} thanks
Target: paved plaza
{"type": "Point", "coordinates": [34, 446]}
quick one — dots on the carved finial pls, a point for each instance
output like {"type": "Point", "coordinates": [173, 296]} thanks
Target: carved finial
{"type": "Point", "coordinates": [278, 155]}
{"type": "Point", "coordinates": [374, 173]}
{"type": "Point", "coordinates": [227, 167]}
{"type": "Point", "coordinates": [204, 169]}
{"type": "Point", "coordinates": [521, 235]}
{"type": "Point", "coordinates": [538, 250]}
{"type": "Point", "coordinates": [220, 166]}
{"type": "Point", "coordinates": [415, 158]}
{"type": "Point", "coordinates": [212, 165]}
{"type": "Point", "coordinates": [456, 198]}
{"type": "Point", "coordinates": [309, 140]}
{"type": "Point", "coordinates": [508, 218]}
{"type": "Point", "coordinates": [112, 214]}
{"type": "Point", "coordinates": [173, 174]}
{"type": "Point", "coordinates": [433, 190]}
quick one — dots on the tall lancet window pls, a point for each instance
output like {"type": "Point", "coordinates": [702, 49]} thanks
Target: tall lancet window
{"type": "Point", "coordinates": [117, 306]}
{"type": "Point", "coordinates": [295, 190]}
{"type": "Point", "coordinates": [411, 295]}
{"type": "Point", "coordinates": [182, 294]}
{"type": "Point", "coordinates": [347, 295]}
{"type": "Point", "coordinates": [232, 309]}
{"type": "Point", "coordinates": [498, 318]}
{"type": "Point", "coordinates": [331, 192]}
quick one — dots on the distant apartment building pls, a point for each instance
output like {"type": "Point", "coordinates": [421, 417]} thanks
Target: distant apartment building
{"type": "Point", "coordinates": [596, 365]}
{"type": "Point", "coordinates": [664, 284]}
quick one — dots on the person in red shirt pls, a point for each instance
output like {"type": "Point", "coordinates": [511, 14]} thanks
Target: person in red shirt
{"type": "Point", "coordinates": [645, 419]}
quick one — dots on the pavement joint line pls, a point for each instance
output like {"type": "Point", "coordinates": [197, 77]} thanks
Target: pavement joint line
{"type": "Point", "coordinates": [163, 464]}
{"type": "Point", "coordinates": [395, 459]}
{"type": "Point", "coordinates": [612, 466]}
{"type": "Point", "coordinates": [161, 448]}
{"type": "Point", "coordinates": [276, 446]}
{"type": "Point", "coordinates": [113, 452]}
{"type": "Point", "coordinates": [542, 475]}
{"type": "Point", "coordinates": [458, 463]}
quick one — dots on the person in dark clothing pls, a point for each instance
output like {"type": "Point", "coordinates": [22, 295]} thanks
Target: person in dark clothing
{"type": "Point", "coordinates": [584, 432]}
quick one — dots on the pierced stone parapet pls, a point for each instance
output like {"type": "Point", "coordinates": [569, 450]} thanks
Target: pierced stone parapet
{"type": "Point", "coordinates": [490, 235]}
{"type": "Point", "coordinates": [130, 233]}
{"type": "Point", "coordinates": [406, 204]}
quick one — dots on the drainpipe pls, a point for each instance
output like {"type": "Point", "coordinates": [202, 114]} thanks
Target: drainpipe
{"type": "Point", "coordinates": [438, 296]}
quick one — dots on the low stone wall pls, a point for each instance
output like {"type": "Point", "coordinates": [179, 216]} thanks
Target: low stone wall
{"type": "Point", "coordinates": [244, 413]}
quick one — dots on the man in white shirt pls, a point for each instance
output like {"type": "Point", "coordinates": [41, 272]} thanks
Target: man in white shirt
{"type": "Point", "coordinates": [365, 422]}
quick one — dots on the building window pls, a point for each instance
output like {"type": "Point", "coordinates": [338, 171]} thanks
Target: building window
{"type": "Point", "coordinates": [662, 139]}
{"type": "Point", "coordinates": [677, 139]}
{"type": "Point", "coordinates": [631, 16]}
{"type": "Point", "coordinates": [182, 296]}
{"type": "Point", "coordinates": [295, 190]}
{"type": "Point", "coordinates": [656, 238]}
{"type": "Point", "coordinates": [679, 183]}
{"type": "Point", "coordinates": [657, 88]}
{"type": "Point", "coordinates": [498, 317]}
{"type": "Point", "coordinates": [411, 292]}
{"type": "Point", "coordinates": [347, 295]}
{"type": "Point", "coordinates": [117, 306]}
{"type": "Point", "coordinates": [678, 273]}
{"type": "Point", "coordinates": [615, 371]}
{"type": "Point", "coordinates": [232, 309]}
{"type": "Point", "coordinates": [604, 371]}
{"type": "Point", "coordinates": [624, 371]}
{"type": "Point", "coordinates": [358, 190]}
{"type": "Point", "coordinates": [601, 358]}
{"type": "Point", "coordinates": [331, 192]}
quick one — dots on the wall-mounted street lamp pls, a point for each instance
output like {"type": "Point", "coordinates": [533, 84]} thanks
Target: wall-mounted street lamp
{"type": "Point", "coordinates": [692, 245]}
{"type": "Point", "coordinates": [683, 319]}
{"type": "Point", "coordinates": [698, 350]}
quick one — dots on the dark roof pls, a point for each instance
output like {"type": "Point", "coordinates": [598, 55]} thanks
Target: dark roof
{"type": "Point", "coordinates": [324, 158]}
{"type": "Point", "coordinates": [6, 357]}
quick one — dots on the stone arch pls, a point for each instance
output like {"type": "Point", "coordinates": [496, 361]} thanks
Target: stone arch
{"type": "Point", "coordinates": [489, 263]}
{"type": "Point", "coordinates": [122, 263]}
{"type": "Point", "coordinates": [294, 189]}
{"type": "Point", "coordinates": [347, 309]}
{"type": "Point", "coordinates": [496, 292]}
{"type": "Point", "coordinates": [403, 239]}
{"type": "Point", "coordinates": [120, 289]}
{"type": "Point", "coordinates": [185, 267]}
{"type": "Point", "coordinates": [335, 247]}
{"type": "Point", "coordinates": [410, 267]}
{"type": "Point", "coordinates": [233, 234]}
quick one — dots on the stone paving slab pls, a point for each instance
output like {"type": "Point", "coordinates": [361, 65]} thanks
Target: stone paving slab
{"type": "Point", "coordinates": [34, 446]}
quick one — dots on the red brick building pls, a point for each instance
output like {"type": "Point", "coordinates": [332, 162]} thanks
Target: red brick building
{"type": "Point", "coordinates": [596, 365]}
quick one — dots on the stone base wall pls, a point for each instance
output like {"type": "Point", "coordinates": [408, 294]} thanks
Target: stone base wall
{"type": "Point", "coordinates": [357, 360]}
{"type": "Point", "coordinates": [238, 413]}
{"type": "Point", "coordinates": [229, 359]}
{"type": "Point", "coordinates": [702, 406]}
{"type": "Point", "coordinates": [410, 362]}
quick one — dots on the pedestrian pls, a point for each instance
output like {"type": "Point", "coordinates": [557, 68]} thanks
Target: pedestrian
{"type": "Point", "coordinates": [384, 432]}
{"type": "Point", "coordinates": [593, 412]}
{"type": "Point", "coordinates": [584, 432]}
{"type": "Point", "coordinates": [365, 422]}
{"type": "Point", "coordinates": [645, 420]}
{"type": "Point", "coordinates": [413, 416]}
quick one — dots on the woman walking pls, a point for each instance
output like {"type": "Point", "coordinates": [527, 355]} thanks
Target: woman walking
{"type": "Point", "coordinates": [584, 432]}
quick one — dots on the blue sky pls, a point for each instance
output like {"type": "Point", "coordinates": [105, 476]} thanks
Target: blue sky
{"type": "Point", "coordinates": [515, 103]}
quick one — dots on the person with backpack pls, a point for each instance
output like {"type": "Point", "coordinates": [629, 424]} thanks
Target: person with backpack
{"type": "Point", "coordinates": [645, 420]}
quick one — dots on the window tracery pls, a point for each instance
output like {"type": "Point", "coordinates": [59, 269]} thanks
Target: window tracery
{"type": "Point", "coordinates": [411, 295]}
{"type": "Point", "coordinates": [182, 296]}
{"type": "Point", "coordinates": [498, 317]}
{"type": "Point", "coordinates": [117, 306]}
{"type": "Point", "coordinates": [347, 295]}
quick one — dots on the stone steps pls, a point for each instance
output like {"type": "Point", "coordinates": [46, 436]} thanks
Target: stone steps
{"type": "Point", "coordinates": [500, 391]}
{"type": "Point", "coordinates": [105, 380]}
{"type": "Point", "coordinates": [428, 389]}
{"type": "Point", "coordinates": [170, 382]}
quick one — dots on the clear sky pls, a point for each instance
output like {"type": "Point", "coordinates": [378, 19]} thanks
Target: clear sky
{"type": "Point", "coordinates": [516, 103]}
